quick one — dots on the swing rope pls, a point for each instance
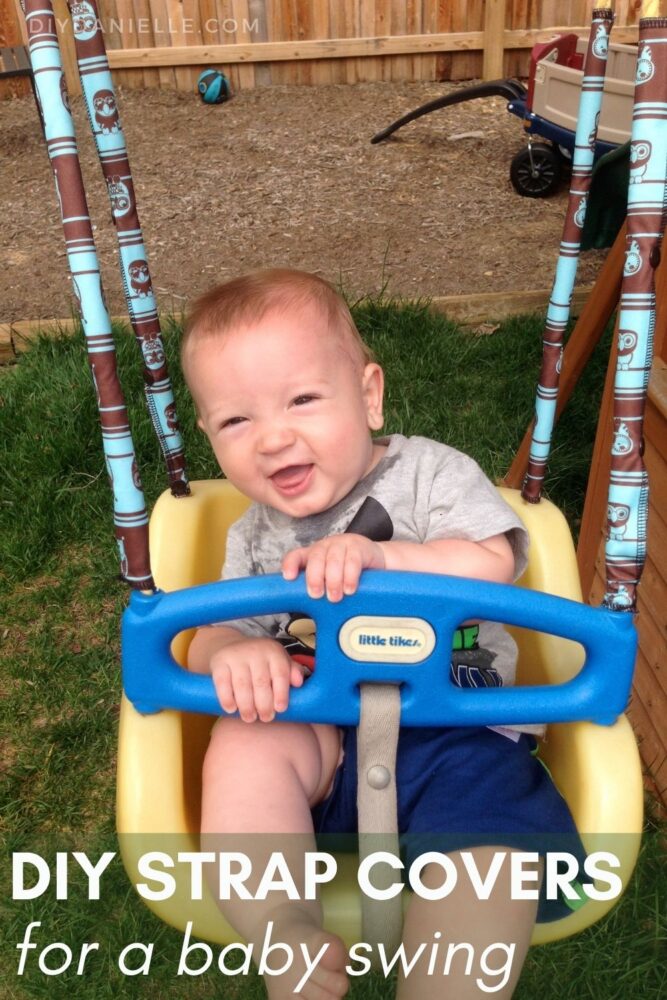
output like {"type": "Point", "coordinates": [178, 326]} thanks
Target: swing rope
{"type": "Point", "coordinates": [130, 514]}
{"type": "Point", "coordinates": [627, 511]}
{"type": "Point", "coordinates": [105, 123]}
{"type": "Point", "coordinates": [558, 312]}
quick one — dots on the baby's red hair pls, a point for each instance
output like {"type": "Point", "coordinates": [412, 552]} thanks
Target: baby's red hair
{"type": "Point", "coordinates": [246, 300]}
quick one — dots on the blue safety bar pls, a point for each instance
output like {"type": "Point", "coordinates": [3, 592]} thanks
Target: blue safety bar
{"type": "Point", "coordinates": [599, 692]}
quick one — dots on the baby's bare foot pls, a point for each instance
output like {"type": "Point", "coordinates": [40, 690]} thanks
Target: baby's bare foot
{"type": "Point", "coordinates": [317, 971]}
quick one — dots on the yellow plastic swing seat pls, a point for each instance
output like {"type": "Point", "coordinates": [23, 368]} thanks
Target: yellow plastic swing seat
{"type": "Point", "coordinates": [160, 756]}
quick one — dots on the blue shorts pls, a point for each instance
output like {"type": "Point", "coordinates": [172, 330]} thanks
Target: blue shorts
{"type": "Point", "coordinates": [463, 787]}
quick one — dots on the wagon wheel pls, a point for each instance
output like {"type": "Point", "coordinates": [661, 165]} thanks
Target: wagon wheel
{"type": "Point", "coordinates": [535, 171]}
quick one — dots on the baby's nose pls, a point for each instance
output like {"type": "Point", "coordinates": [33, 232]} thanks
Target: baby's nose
{"type": "Point", "coordinates": [275, 436]}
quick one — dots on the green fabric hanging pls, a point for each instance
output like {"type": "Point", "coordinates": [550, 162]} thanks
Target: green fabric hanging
{"type": "Point", "coordinates": [607, 200]}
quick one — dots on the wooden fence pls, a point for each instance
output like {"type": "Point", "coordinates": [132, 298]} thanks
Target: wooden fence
{"type": "Point", "coordinates": [166, 43]}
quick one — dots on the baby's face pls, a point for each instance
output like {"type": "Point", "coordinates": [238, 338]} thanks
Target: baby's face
{"type": "Point", "coordinates": [288, 410]}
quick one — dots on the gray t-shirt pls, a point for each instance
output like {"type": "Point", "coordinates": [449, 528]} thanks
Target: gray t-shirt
{"type": "Point", "coordinates": [420, 490]}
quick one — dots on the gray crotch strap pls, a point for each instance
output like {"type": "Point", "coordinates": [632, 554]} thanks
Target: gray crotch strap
{"type": "Point", "coordinates": [379, 722]}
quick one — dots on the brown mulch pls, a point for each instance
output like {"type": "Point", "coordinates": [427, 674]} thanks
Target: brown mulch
{"type": "Point", "coordinates": [287, 176]}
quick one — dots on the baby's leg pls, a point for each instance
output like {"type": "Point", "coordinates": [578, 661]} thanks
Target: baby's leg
{"type": "Point", "coordinates": [259, 782]}
{"type": "Point", "coordinates": [498, 931]}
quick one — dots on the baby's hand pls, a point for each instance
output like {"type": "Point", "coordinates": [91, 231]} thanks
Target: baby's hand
{"type": "Point", "coordinates": [253, 677]}
{"type": "Point", "coordinates": [334, 564]}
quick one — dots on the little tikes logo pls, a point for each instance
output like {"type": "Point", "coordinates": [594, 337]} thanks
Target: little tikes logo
{"type": "Point", "coordinates": [392, 640]}
{"type": "Point", "coordinates": [403, 640]}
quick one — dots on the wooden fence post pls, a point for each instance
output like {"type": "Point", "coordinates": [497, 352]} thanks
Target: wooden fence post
{"type": "Point", "coordinates": [494, 39]}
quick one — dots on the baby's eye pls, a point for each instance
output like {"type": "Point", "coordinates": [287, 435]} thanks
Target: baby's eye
{"type": "Point", "coordinates": [232, 422]}
{"type": "Point", "coordinates": [306, 397]}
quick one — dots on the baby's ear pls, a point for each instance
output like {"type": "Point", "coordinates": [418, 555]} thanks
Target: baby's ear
{"type": "Point", "coordinates": [373, 389]}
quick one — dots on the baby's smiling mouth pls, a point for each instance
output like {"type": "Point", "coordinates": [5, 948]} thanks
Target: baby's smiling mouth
{"type": "Point", "coordinates": [292, 478]}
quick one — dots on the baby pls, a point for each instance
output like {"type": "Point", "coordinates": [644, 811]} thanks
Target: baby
{"type": "Point", "coordinates": [288, 395]}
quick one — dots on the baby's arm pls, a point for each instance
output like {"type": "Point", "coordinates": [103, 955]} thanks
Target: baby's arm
{"type": "Point", "coordinates": [251, 675]}
{"type": "Point", "coordinates": [334, 564]}
{"type": "Point", "coordinates": [491, 559]}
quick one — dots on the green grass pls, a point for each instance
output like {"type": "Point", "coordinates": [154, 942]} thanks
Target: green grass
{"type": "Point", "coordinates": [61, 600]}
